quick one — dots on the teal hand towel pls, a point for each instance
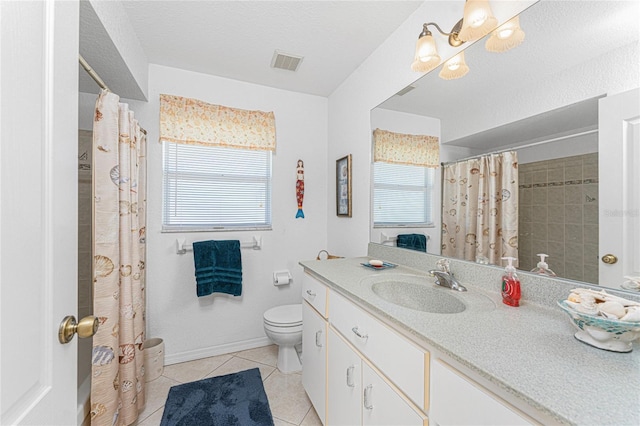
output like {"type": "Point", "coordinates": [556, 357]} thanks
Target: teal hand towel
{"type": "Point", "coordinates": [416, 242]}
{"type": "Point", "coordinates": [218, 267]}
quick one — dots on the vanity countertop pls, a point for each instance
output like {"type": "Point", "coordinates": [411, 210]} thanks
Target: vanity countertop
{"type": "Point", "coordinates": [528, 352]}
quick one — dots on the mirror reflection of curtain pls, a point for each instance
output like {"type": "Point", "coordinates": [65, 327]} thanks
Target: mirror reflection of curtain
{"type": "Point", "coordinates": [119, 145]}
{"type": "Point", "coordinates": [480, 208]}
{"type": "Point", "coordinates": [400, 148]}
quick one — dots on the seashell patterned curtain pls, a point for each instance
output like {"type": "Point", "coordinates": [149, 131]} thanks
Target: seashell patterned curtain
{"type": "Point", "coordinates": [119, 211]}
{"type": "Point", "coordinates": [191, 121]}
{"type": "Point", "coordinates": [480, 208]}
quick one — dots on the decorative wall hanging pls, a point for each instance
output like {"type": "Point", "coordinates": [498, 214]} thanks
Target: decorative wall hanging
{"type": "Point", "coordinates": [343, 186]}
{"type": "Point", "coordinates": [300, 188]}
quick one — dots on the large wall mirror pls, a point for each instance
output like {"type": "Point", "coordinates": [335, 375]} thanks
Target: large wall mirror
{"type": "Point", "coordinates": [543, 100]}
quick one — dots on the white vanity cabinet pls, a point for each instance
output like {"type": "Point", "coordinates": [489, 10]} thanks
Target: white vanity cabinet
{"type": "Point", "coordinates": [356, 379]}
{"type": "Point", "coordinates": [314, 343]}
{"type": "Point", "coordinates": [452, 390]}
{"type": "Point", "coordinates": [403, 362]}
{"type": "Point", "coordinates": [358, 395]}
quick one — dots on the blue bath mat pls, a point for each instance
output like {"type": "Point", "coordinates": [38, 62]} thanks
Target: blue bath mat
{"type": "Point", "coordinates": [236, 399]}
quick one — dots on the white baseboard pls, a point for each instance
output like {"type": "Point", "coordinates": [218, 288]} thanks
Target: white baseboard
{"type": "Point", "coordinates": [84, 402]}
{"type": "Point", "coordinates": [216, 350]}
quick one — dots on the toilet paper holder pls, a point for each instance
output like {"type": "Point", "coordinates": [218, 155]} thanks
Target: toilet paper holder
{"type": "Point", "coordinates": [281, 277]}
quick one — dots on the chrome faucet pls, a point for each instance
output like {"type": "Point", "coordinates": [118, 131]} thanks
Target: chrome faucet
{"type": "Point", "coordinates": [444, 277]}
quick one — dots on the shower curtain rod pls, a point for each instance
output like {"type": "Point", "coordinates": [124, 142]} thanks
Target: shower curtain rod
{"type": "Point", "coordinates": [94, 75]}
{"type": "Point", "coordinates": [529, 145]}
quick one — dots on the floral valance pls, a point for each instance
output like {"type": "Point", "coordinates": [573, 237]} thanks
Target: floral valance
{"type": "Point", "coordinates": [399, 148]}
{"type": "Point", "coordinates": [191, 121]}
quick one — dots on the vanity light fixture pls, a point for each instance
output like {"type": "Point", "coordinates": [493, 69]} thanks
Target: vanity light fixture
{"type": "Point", "coordinates": [477, 21]}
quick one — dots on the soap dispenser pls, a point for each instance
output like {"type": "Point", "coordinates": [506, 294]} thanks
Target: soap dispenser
{"type": "Point", "coordinates": [510, 284]}
{"type": "Point", "coordinates": [543, 268]}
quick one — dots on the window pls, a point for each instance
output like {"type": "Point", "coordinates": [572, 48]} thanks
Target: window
{"type": "Point", "coordinates": [208, 188]}
{"type": "Point", "coordinates": [402, 195]}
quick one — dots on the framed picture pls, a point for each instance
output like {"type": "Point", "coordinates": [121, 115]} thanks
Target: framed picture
{"type": "Point", "coordinates": [343, 186]}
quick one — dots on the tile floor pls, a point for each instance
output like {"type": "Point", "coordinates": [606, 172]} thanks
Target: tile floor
{"type": "Point", "coordinates": [288, 401]}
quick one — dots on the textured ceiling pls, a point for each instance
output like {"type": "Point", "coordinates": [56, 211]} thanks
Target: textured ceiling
{"type": "Point", "coordinates": [237, 39]}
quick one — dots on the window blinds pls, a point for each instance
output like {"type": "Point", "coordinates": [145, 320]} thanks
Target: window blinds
{"type": "Point", "coordinates": [215, 188]}
{"type": "Point", "coordinates": [402, 194]}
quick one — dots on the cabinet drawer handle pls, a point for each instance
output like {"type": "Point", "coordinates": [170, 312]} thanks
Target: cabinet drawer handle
{"type": "Point", "coordinates": [367, 397]}
{"type": "Point", "coordinates": [350, 382]}
{"type": "Point", "coordinates": [310, 293]}
{"type": "Point", "coordinates": [357, 333]}
{"type": "Point", "coordinates": [319, 338]}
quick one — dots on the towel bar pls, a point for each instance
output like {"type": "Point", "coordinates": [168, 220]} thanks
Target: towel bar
{"type": "Point", "coordinates": [384, 238]}
{"type": "Point", "coordinates": [182, 247]}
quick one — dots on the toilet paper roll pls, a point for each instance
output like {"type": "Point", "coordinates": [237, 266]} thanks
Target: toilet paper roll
{"type": "Point", "coordinates": [281, 278]}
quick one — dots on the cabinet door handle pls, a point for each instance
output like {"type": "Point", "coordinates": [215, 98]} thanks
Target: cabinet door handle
{"type": "Point", "coordinates": [350, 382]}
{"type": "Point", "coordinates": [357, 333]}
{"type": "Point", "coordinates": [319, 338]}
{"type": "Point", "coordinates": [310, 293]}
{"type": "Point", "coordinates": [367, 397]}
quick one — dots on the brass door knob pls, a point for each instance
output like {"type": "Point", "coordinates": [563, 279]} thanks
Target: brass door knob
{"type": "Point", "coordinates": [87, 327]}
{"type": "Point", "coordinates": [609, 259]}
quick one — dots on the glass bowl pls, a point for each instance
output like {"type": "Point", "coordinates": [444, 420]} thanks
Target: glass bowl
{"type": "Point", "coordinates": [600, 332]}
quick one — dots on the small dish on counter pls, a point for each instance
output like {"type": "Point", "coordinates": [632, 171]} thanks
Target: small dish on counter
{"type": "Point", "coordinates": [604, 321]}
{"type": "Point", "coordinates": [378, 265]}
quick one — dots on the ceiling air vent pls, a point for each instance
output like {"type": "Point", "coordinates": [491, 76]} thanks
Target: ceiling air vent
{"type": "Point", "coordinates": [405, 90]}
{"type": "Point", "coordinates": [285, 61]}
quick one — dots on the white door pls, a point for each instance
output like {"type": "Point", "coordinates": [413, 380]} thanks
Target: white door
{"type": "Point", "coordinates": [619, 205]}
{"type": "Point", "coordinates": [38, 212]}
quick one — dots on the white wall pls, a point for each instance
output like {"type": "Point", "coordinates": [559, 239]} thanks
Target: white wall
{"type": "Point", "coordinates": [195, 327]}
{"type": "Point", "coordinates": [578, 145]}
{"type": "Point", "coordinates": [383, 74]}
{"type": "Point", "coordinates": [592, 78]}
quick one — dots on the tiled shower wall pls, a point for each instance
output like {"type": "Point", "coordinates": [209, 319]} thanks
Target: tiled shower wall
{"type": "Point", "coordinates": [85, 291]}
{"type": "Point", "coordinates": [559, 215]}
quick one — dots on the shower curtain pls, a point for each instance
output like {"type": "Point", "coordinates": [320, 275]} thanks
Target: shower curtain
{"type": "Point", "coordinates": [480, 208]}
{"type": "Point", "coordinates": [119, 211]}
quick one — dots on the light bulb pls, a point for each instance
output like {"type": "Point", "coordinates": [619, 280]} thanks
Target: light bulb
{"type": "Point", "coordinates": [427, 49]}
{"type": "Point", "coordinates": [505, 33]}
{"type": "Point", "coordinates": [505, 37]}
{"type": "Point", "coordinates": [455, 67]}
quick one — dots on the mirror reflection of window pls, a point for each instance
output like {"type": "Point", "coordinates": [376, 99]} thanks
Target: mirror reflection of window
{"type": "Point", "coordinates": [402, 195]}
{"type": "Point", "coordinates": [405, 181]}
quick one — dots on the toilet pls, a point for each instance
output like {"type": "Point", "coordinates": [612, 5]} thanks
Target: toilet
{"type": "Point", "coordinates": [283, 325]}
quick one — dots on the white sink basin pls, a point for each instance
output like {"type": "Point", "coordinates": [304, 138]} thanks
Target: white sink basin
{"type": "Point", "coordinates": [418, 297]}
{"type": "Point", "coordinates": [419, 293]}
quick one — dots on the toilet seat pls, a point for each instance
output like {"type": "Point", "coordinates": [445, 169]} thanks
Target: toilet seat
{"type": "Point", "coordinates": [284, 316]}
